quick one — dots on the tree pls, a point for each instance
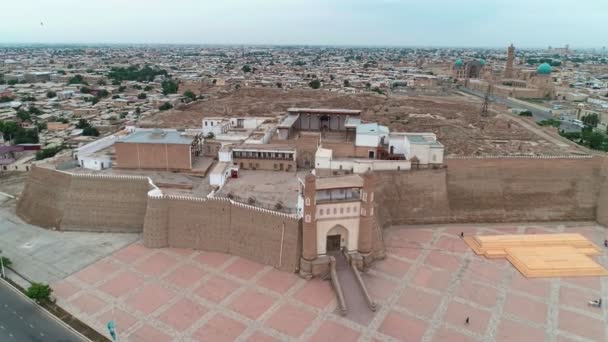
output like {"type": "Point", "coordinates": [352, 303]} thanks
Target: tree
{"type": "Point", "coordinates": [6, 261]}
{"type": "Point", "coordinates": [148, 88]}
{"type": "Point", "coordinates": [137, 110]}
{"type": "Point", "coordinates": [12, 82]}
{"type": "Point", "coordinates": [315, 84]}
{"type": "Point", "coordinates": [39, 292]}
{"type": "Point", "coordinates": [346, 83]}
{"type": "Point", "coordinates": [525, 113]}
{"type": "Point", "coordinates": [190, 95]}
{"type": "Point", "coordinates": [61, 72]}
{"type": "Point", "coordinates": [114, 97]}
{"type": "Point", "coordinates": [85, 90]}
{"type": "Point", "coordinates": [35, 111]}
{"type": "Point", "coordinates": [591, 120]}
{"type": "Point", "coordinates": [50, 94]}
{"type": "Point", "coordinates": [77, 79]}
{"type": "Point", "coordinates": [246, 68]}
{"type": "Point", "coordinates": [169, 87]}
{"type": "Point", "coordinates": [27, 98]}
{"type": "Point", "coordinates": [6, 99]}
{"type": "Point", "coordinates": [26, 136]}
{"type": "Point", "coordinates": [90, 132]}
{"type": "Point", "coordinates": [103, 93]}
{"type": "Point", "coordinates": [122, 88]}
{"type": "Point", "coordinates": [368, 85]}
{"type": "Point", "coordinates": [82, 123]}
{"type": "Point", "coordinates": [48, 152]}
{"type": "Point", "coordinates": [165, 106]}
{"type": "Point", "coordinates": [142, 96]}
{"type": "Point", "coordinates": [41, 126]}
{"type": "Point", "coordinates": [279, 85]}
{"type": "Point", "coordinates": [24, 115]}
{"type": "Point", "coordinates": [101, 82]}
{"type": "Point", "coordinates": [134, 73]}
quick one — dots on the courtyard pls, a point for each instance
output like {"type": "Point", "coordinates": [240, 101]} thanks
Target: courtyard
{"type": "Point", "coordinates": [427, 286]}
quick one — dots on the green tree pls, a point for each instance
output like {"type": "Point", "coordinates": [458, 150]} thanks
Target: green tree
{"type": "Point", "coordinates": [525, 113]}
{"type": "Point", "coordinates": [24, 115]}
{"type": "Point", "coordinates": [122, 88]}
{"type": "Point", "coordinates": [591, 120]}
{"type": "Point", "coordinates": [82, 123]}
{"type": "Point", "coordinates": [12, 82]}
{"type": "Point", "coordinates": [137, 110]}
{"type": "Point", "coordinates": [190, 95]}
{"type": "Point", "coordinates": [165, 106]}
{"type": "Point", "coordinates": [77, 79]}
{"type": "Point", "coordinates": [39, 292]}
{"type": "Point", "coordinates": [279, 85]}
{"type": "Point", "coordinates": [315, 84]}
{"type": "Point", "coordinates": [103, 93]}
{"type": "Point", "coordinates": [90, 132]}
{"type": "Point", "coordinates": [116, 82]}
{"type": "Point", "coordinates": [246, 68]}
{"type": "Point", "coordinates": [48, 152]}
{"type": "Point", "coordinates": [346, 83]}
{"type": "Point", "coordinates": [114, 97]}
{"type": "Point", "coordinates": [41, 126]}
{"type": "Point", "coordinates": [101, 82]}
{"type": "Point", "coordinates": [9, 129]}
{"type": "Point", "coordinates": [28, 98]}
{"type": "Point", "coordinates": [169, 87]}
{"type": "Point", "coordinates": [85, 90]}
{"type": "Point", "coordinates": [142, 96]}
{"type": "Point", "coordinates": [50, 94]}
{"type": "Point", "coordinates": [6, 261]}
{"type": "Point", "coordinates": [61, 72]}
{"type": "Point", "coordinates": [26, 136]}
{"type": "Point", "coordinates": [4, 99]}
{"type": "Point", "coordinates": [148, 88]}
{"type": "Point", "coordinates": [35, 111]}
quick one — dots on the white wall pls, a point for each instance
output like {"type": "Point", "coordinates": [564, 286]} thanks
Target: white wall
{"type": "Point", "coordinates": [95, 162]}
{"type": "Point", "coordinates": [368, 140]}
{"type": "Point", "coordinates": [218, 177]}
{"type": "Point", "coordinates": [362, 165]}
{"type": "Point", "coordinates": [399, 143]}
{"type": "Point", "coordinates": [437, 155]}
{"type": "Point", "coordinates": [225, 156]}
{"type": "Point", "coordinates": [95, 146]}
{"type": "Point", "coordinates": [421, 151]}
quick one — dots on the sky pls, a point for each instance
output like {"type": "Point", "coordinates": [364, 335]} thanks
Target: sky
{"type": "Point", "coordinates": [453, 23]}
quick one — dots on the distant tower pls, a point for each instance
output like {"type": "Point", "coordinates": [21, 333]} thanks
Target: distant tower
{"type": "Point", "coordinates": [510, 59]}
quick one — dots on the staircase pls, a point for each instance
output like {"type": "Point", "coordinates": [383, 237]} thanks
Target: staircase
{"type": "Point", "coordinates": [353, 297]}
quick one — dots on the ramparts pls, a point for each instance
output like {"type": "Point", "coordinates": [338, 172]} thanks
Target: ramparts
{"type": "Point", "coordinates": [221, 225]}
{"type": "Point", "coordinates": [494, 190]}
{"type": "Point", "coordinates": [99, 203]}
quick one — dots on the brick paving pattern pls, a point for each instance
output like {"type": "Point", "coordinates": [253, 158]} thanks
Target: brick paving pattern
{"type": "Point", "coordinates": [427, 286]}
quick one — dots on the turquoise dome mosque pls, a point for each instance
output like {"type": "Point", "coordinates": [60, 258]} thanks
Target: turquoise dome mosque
{"type": "Point", "coordinates": [544, 69]}
{"type": "Point", "coordinates": [458, 62]}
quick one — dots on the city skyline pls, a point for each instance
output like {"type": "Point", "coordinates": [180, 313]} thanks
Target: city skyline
{"type": "Point", "coordinates": [384, 23]}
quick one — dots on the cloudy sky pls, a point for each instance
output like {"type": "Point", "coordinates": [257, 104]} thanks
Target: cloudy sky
{"type": "Point", "coordinates": [478, 23]}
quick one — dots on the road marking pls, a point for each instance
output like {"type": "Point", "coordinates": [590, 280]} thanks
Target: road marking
{"type": "Point", "coordinates": [32, 326]}
{"type": "Point", "coordinates": [10, 335]}
{"type": "Point", "coordinates": [2, 327]}
{"type": "Point", "coordinates": [21, 317]}
{"type": "Point", "coordinates": [41, 334]}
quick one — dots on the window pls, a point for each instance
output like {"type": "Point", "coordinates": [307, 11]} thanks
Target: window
{"type": "Point", "coordinates": [307, 201]}
{"type": "Point", "coordinates": [307, 218]}
{"type": "Point", "coordinates": [275, 166]}
{"type": "Point", "coordinates": [321, 212]}
{"type": "Point", "coordinates": [347, 209]}
{"type": "Point", "coordinates": [341, 210]}
{"type": "Point", "coordinates": [335, 211]}
{"type": "Point", "coordinates": [206, 123]}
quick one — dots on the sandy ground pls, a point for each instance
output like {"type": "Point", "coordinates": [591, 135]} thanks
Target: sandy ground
{"type": "Point", "coordinates": [455, 119]}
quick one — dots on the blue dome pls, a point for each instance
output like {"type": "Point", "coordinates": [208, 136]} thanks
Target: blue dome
{"type": "Point", "coordinates": [544, 69]}
{"type": "Point", "coordinates": [458, 62]}
{"type": "Point", "coordinates": [482, 61]}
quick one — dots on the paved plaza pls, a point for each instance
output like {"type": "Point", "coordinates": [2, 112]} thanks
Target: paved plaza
{"type": "Point", "coordinates": [427, 286]}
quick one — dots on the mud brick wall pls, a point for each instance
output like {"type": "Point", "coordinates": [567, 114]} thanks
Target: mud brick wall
{"type": "Point", "coordinates": [102, 203]}
{"type": "Point", "coordinates": [43, 198]}
{"type": "Point", "coordinates": [494, 190]}
{"type": "Point", "coordinates": [601, 211]}
{"type": "Point", "coordinates": [220, 225]}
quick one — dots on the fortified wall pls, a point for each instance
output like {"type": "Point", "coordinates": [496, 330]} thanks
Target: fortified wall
{"type": "Point", "coordinates": [99, 203]}
{"type": "Point", "coordinates": [221, 225]}
{"type": "Point", "coordinates": [105, 203]}
{"type": "Point", "coordinates": [496, 190]}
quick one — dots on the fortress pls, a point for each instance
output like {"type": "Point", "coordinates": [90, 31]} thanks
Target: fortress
{"type": "Point", "coordinates": [466, 190]}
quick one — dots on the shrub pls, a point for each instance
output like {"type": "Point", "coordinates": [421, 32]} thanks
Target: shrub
{"type": "Point", "coordinates": [39, 292]}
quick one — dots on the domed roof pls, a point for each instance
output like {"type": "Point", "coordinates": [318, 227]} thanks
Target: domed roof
{"type": "Point", "coordinates": [544, 69]}
{"type": "Point", "coordinates": [458, 62]}
{"type": "Point", "coordinates": [482, 61]}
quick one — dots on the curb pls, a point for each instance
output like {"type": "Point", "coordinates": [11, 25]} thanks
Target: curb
{"type": "Point", "coordinates": [55, 318]}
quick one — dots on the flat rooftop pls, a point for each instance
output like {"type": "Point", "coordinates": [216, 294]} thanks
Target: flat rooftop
{"type": "Point", "coordinates": [324, 111]}
{"type": "Point", "coordinates": [350, 181]}
{"type": "Point", "coordinates": [158, 137]}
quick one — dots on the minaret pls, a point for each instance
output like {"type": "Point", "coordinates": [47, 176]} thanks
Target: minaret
{"type": "Point", "coordinates": [510, 59]}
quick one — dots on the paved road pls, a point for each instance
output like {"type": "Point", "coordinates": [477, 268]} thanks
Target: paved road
{"type": "Point", "coordinates": [357, 307]}
{"type": "Point", "coordinates": [23, 321]}
{"type": "Point", "coordinates": [537, 114]}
